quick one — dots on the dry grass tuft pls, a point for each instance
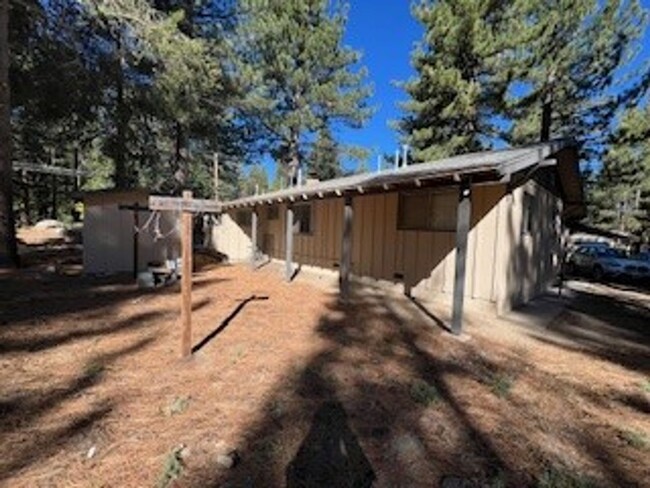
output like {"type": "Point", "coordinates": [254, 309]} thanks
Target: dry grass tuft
{"type": "Point", "coordinates": [172, 469]}
{"type": "Point", "coordinates": [424, 393]}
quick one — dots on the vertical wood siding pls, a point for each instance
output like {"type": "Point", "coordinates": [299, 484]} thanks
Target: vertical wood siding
{"type": "Point", "coordinates": [424, 260]}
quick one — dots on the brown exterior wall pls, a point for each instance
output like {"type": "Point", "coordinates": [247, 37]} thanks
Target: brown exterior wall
{"type": "Point", "coordinates": [529, 260]}
{"type": "Point", "coordinates": [500, 262]}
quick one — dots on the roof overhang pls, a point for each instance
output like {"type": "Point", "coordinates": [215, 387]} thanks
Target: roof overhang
{"type": "Point", "coordinates": [568, 175]}
{"type": "Point", "coordinates": [481, 167]}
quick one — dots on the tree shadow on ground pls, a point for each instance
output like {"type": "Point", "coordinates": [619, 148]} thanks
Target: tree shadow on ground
{"type": "Point", "coordinates": [606, 324]}
{"type": "Point", "coordinates": [38, 341]}
{"type": "Point", "coordinates": [26, 410]}
{"type": "Point", "coordinates": [30, 295]}
{"type": "Point", "coordinates": [378, 356]}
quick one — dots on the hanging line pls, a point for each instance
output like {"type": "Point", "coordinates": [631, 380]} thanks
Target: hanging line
{"type": "Point", "coordinates": [146, 224]}
{"type": "Point", "coordinates": [158, 235]}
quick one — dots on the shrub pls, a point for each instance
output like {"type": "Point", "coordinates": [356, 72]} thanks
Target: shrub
{"type": "Point", "coordinates": [424, 393]}
{"type": "Point", "coordinates": [554, 477]}
{"type": "Point", "coordinates": [172, 469]}
{"type": "Point", "coordinates": [637, 440]}
{"type": "Point", "coordinates": [501, 384]}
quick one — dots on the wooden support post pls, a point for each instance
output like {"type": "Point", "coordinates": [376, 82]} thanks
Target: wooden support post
{"type": "Point", "coordinates": [253, 237]}
{"type": "Point", "coordinates": [346, 249]}
{"type": "Point", "coordinates": [136, 208]}
{"type": "Point", "coordinates": [462, 230]}
{"type": "Point", "coordinates": [215, 168]}
{"type": "Point", "coordinates": [136, 239]}
{"type": "Point", "coordinates": [77, 178]}
{"type": "Point", "coordinates": [187, 206]}
{"type": "Point", "coordinates": [288, 270]}
{"type": "Point", "coordinates": [186, 279]}
{"type": "Point", "coordinates": [54, 202]}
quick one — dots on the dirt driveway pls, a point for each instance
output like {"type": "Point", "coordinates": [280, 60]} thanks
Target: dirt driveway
{"type": "Point", "coordinates": [292, 388]}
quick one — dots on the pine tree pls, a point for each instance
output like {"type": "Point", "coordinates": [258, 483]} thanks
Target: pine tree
{"type": "Point", "coordinates": [185, 99]}
{"type": "Point", "coordinates": [570, 59]}
{"type": "Point", "coordinates": [323, 162]}
{"type": "Point", "coordinates": [297, 74]}
{"type": "Point", "coordinates": [461, 77]}
{"type": "Point", "coordinates": [256, 182]}
{"type": "Point", "coordinates": [8, 254]}
{"type": "Point", "coordinates": [486, 69]}
{"type": "Point", "coordinates": [620, 197]}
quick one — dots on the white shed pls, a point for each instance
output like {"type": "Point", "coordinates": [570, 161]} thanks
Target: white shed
{"type": "Point", "coordinates": [111, 243]}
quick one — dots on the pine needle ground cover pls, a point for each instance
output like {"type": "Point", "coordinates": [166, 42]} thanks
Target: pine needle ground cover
{"type": "Point", "coordinates": [93, 392]}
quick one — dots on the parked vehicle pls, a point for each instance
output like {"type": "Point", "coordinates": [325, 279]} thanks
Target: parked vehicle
{"type": "Point", "coordinates": [639, 267]}
{"type": "Point", "coordinates": [601, 262]}
{"type": "Point", "coordinates": [583, 246]}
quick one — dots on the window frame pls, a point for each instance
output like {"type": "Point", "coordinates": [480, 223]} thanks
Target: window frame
{"type": "Point", "coordinates": [431, 194]}
{"type": "Point", "coordinates": [297, 224]}
{"type": "Point", "coordinates": [528, 213]}
{"type": "Point", "coordinates": [247, 219]}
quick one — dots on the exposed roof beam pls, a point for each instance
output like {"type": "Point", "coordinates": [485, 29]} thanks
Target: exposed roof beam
{"type": "Point", "coordinates": [48, 169]}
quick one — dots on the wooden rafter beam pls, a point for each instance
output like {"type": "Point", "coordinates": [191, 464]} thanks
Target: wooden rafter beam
{"type": "Point", "coordinates": [48, 169]}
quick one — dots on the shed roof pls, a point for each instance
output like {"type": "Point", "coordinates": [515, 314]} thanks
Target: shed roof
{"type": "Point", "coordinates": [112, 196]}
{"type": "Point", "coordinates": [495, 165]}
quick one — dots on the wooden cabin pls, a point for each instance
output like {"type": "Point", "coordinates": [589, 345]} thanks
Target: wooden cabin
{"type": "Point", "coordinates": [484, 226]}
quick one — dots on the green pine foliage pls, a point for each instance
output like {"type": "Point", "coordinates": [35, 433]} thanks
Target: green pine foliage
{"type": "Point", "coordinates": [144, 93]}
{"type": "Point", "coordinates": [571, 55]}
{"type": "Point", "coordinates": [619, 196]}
{"type": "Point", "coordinates": [461, 77]}
{"type": "Point", "coordinates": [485, 68]}
{"type": "Point", "coordinates": [296, 73]}
{"type": "Point", "coordinates": [323, 162]}
{"type": "Point", "coordinates": [256, 182]}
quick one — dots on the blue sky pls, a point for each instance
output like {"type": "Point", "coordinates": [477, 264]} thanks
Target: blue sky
{"type": "Point", "coordinates": [386, 33]}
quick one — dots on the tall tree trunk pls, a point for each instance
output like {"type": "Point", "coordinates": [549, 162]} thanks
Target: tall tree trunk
{"type": "Point", "coordinates": [293, 160]}
{"type": "Point", "coordinates": [181, 163]}
{"type": "Point", "coordinates": [27, 202]}
{"type": "Point", "coordinates": [8, 251]}
{"type": "Point", "coordinates": [121, 179]}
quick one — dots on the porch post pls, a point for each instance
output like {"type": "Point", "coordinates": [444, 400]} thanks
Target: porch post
{"type": "Point", "coordinates": [462, 230]}
{"type": "Point", "coordinates": [288, 260]}
{"type": "Point", "coordinates": [253, 237]}
{"type": "Point", "coordinates": [346, 249]}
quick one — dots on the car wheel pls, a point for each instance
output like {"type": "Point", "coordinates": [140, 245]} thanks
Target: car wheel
{"type": "Point", "coordinates": [598, 273]}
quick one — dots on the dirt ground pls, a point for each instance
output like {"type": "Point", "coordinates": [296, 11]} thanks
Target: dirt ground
{"type": "Point", "coordinates": [295, 389]}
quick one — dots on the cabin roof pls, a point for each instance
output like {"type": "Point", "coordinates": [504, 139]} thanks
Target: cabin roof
{"type": "Point", "coordinates": [485, 166]}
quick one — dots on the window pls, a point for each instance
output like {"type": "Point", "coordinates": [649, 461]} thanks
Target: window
{"type": "Point", "coordinates": [302, 219]}
{"type": "Point", "coordinates": [428, 210]}
{"type": "Point", "coordinates": [243, 218]}
{"type": "Point", "coordinates": [529, 214]}
{"type": "Point", "coordinates": [272, 212]}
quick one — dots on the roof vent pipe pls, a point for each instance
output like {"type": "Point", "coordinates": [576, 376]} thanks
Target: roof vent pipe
{"type": "Point", "coordinates": [396, 158]}
{"type": "Point", "coordinates": [405, 152]}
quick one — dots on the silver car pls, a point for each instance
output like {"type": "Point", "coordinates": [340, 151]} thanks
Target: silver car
{"type": "Point", "coordinates": [598, 261]}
